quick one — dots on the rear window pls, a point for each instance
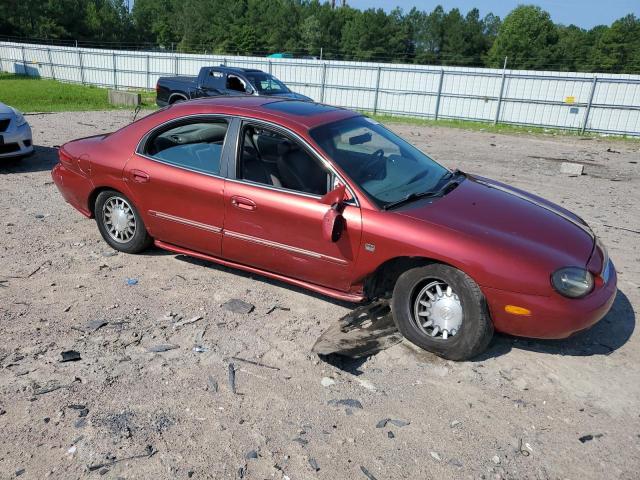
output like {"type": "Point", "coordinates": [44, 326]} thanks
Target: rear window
{"type": "Point", "coordinates": [195, 146]}
{"type": "Point", "coordinates": [296, 107]}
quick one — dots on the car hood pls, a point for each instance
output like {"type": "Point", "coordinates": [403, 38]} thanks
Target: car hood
{"type": "Point", "coordinates": [5, 110]}
{"type": "Point", "coordinates": [509, 224]}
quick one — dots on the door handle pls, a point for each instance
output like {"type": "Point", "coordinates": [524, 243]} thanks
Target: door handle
{"type": "Point", "coordinates": [243, 203]}
{"type": "Point", "coordinates": [140, 176]}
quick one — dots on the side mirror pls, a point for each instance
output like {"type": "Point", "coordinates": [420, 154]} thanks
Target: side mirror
{"type": "Point", "coordinates": [333, 221]}
{"type": "Point", "coordinates": [335, 196]}
{"type": "Point", "coordinates": [332, 225]}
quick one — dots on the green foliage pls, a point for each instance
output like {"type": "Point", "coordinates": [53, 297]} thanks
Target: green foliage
{"type": "Point", "coordinates": [527, 36]}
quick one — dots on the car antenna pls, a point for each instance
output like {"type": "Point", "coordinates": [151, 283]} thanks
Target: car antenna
{"type": "Point", "coordinates": [135, 112]}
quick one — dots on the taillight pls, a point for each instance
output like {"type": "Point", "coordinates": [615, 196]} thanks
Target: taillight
{"type": "Point", "coordinates": [65, 158]}
{"type": "Point", "coordinates": [157, 88]}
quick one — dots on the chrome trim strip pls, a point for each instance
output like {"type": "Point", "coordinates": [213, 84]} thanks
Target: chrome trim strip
{"type": "Point", "coordinates": [531, 200]}
{"type": "Point", "coordinates": [207, 117]}
{"type": "Point", "coordinates": [281, 246]}
{"type": "Point", "coordinates": [184, 221]}
{"type": "Point", "coordinates": [180, 167]}
{"type": "Point", "coordinates": [228, 118]}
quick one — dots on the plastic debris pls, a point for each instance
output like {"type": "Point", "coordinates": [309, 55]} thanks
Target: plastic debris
{"type": "Point", "coordinates": [163, 347]}
{"type": "Point", "coordinates": [70, 356]}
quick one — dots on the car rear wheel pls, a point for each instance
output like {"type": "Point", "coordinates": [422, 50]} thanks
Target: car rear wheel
{"type": "Point", "coordinates": [120, 223]}
{"type": "Point", "coordinates": [441, 309]}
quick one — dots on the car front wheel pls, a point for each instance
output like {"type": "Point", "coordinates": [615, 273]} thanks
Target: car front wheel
{"type": "Point", "coordinates": [120, 223]}
{"type": "Point", "coordinates": [441, 309]}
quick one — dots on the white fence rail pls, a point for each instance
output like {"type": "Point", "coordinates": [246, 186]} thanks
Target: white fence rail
{"type": "Point", "coordinates": [603, 103]}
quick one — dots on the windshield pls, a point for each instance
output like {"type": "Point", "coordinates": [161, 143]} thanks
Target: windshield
{"type": "Point", "coordinates": [386, 167]}
{"type": "Point", "coordinates": [267, 84]}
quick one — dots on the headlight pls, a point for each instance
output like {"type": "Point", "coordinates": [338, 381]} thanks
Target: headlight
{"type": "Point", "coordinates": [20, 120]}
{"type": "Point", "coordinates": [572, 282]}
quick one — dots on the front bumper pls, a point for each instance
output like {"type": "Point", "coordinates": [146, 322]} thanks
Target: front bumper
{"type": "Point", "coordinates": [552, 317]}
{"type": "Point", "coordinates": [16, 142]}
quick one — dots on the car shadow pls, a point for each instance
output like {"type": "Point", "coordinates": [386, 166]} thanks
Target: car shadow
{"type": "Point", "coordinates": [43, 159]}
{"type": "Point", "coordinates": [263, 279]}
{"type": "Point", "coordinates": [604, 338]}
{"type": "Point", "coordinates": [368, 329]}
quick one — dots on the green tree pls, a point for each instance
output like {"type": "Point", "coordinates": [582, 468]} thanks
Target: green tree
{"type": "Point", "coordinates": [617, 48]}
{"type": "Point", "coordinates": [528, 37]}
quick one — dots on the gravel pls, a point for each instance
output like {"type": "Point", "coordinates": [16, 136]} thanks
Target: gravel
{"type": "Point", "coordinates": [162, 415]}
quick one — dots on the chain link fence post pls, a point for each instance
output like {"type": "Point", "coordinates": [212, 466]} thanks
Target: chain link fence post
{"type": "Point", "coordinates": [51, 67]}
{"type": "Point", "coordinates": [148, 73]}
{"type": "Point", "coordinates": [588, 110]}
{"type": "Point", "coordinates": [81, 63]}
{"type": "Point", "coordinates": [440, 82]}
{"type": "Point", "coordinates": [504, 76]}
{"type": "Point", "coordinates": [24, 62]}
{"type": "Point", "coordinates": [375, 98]}
{"type": "Point", "coordinates": [176, 69]}
{"type": "Point", "coordinates": [322, 85]}
{"type": "Point", "coordinates": [115, 72]}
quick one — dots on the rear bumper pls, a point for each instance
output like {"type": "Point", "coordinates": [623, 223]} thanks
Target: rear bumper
{"type": "Point", "coordinates": [552, 317]}
{"type": "Point", "coordinates": [161, 103]}
{"type": "Point", "coordinates": [16, 143]}
{"type": "Point", "coordinates": [74, 188]}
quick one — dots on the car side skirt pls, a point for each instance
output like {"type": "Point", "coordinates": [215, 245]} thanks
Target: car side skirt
{"type": "Point", "coordinates": [337, 294]}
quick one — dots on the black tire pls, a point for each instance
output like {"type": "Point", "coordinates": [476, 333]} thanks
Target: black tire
{"type": "Point", "coordinates": [476, 330]}
{"type": "Point", "coordinates": [140, 240]}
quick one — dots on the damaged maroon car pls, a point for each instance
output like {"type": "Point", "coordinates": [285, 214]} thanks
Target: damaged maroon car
{"type": "Point", "coordinates": [332, 201]}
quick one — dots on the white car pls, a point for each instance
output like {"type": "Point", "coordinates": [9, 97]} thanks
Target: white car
{"type": "Point", "coordinates": [15, 133]}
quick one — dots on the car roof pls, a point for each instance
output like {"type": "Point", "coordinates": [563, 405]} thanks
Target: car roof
{"type": "Point", "coordinates": [237, 69]}
{"type": "Point", "coordinates": [288, 112]}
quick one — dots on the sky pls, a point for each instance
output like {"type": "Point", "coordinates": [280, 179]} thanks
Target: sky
{"type": "Point", "coordinates": [583, 13]}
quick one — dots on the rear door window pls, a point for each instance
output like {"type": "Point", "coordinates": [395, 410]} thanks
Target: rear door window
{"type": "Point", "coordinates": [214, 79]}
{"type": "Point", "coordinates": [195, 146]}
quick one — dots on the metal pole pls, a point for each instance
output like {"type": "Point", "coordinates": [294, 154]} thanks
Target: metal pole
{"type": "Point", "coordinates": [321, 53]}
{"type": "Point", "coordinates": [586, 113]}
{"type": "Point", "coordinates": [53, 72]}
{"type": "Point", "coordinates": [375, 99]}
{"type": "Point", "coordinates": [176, 66]}
{"type": "Point", "coordinates": [147, 80]}
{"type": "Point", "coordinates": [440, 82]}
{"type": "Point", "coordinates": [504, 75]}
{"type": "Point", "coordinates": [24, 62]}
{"type": "Point", "coordinates": [269, 67]}
{"type": "Point", "coordinates": [81, 66]}
{"type": "Point", "coordinates": [324, 77]}
{"type": "Point", "coordinates": [115, 72]}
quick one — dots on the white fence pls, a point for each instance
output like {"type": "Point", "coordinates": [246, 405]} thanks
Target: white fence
{"type": "Point", "coordinates": [603, 103]}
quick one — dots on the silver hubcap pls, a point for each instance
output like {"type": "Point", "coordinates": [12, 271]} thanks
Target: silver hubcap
{"type": "Point", "coordinates": [119, 219]}
{"type": "Point", "coordinates": [437, 310]}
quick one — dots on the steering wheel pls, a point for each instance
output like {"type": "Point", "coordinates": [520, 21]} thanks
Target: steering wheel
{"type": "Point", "coordinates": [367, 170]}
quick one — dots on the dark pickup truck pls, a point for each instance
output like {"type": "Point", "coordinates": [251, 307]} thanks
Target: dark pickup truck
{"type": "Point", "coordinates": [214, 81]}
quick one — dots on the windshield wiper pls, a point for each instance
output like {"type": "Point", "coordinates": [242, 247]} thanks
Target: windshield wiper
{"type": "Point", "coordinates": [442, 190]}
{"type": "Point", "coordinates": [409, 198]}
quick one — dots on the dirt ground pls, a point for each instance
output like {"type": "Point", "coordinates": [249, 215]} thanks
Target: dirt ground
{"type": "Point", "coordinates": [525, 410]}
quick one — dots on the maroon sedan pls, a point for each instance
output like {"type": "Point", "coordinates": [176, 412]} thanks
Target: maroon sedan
{"type": "Point", "coordinates": [330, 200]}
